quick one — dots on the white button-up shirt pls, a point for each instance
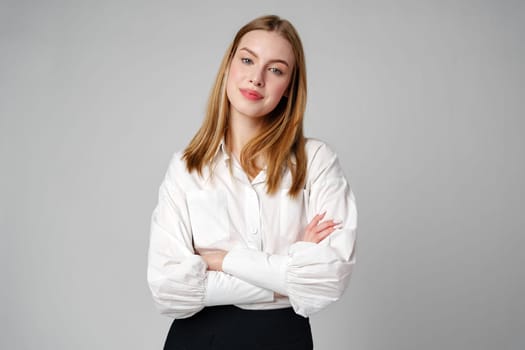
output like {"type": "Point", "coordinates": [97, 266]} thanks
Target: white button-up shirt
{"type": "Point", "coordinates": [223, 209]}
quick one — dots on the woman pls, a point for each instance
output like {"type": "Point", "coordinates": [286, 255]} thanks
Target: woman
{"type": "Point", "coordinates": [255, 225]}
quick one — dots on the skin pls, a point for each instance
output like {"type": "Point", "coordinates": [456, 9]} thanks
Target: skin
{"type": "Point", "coordinates": [263, 63]}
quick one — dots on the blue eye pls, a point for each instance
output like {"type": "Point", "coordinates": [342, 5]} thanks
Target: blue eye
{"type": "Point", "coordinates": [277, 71]}
{"type": "Point", "coordinates": [246, 60]}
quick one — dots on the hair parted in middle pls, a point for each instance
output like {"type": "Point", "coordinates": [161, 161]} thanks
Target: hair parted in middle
{"type": "Point", "coordinates": [280, 142]}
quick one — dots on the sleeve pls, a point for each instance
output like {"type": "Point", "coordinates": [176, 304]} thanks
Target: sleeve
{"type": "Point", "coordinates": [178, 278]}
{"type": "Point", "coordinates": [311, 275]}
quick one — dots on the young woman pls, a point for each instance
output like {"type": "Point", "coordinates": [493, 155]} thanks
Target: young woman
{"type": "Point", "coordinates": [255, 226]}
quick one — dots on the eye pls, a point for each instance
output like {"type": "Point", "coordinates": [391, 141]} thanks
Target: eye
{"type": "Point", "coordinates": [276, 71]}
{"type": "Point", "coordinates": [246, 60]}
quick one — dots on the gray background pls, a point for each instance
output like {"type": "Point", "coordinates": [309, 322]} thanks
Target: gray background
{"type": "Point", "coordinates": [423, 101]}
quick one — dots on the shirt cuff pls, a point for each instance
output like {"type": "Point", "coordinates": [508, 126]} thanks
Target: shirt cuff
{"type": "Point", "coordinates": [223, 289]}
{"type": "Point", "coordinates": [258, 268]}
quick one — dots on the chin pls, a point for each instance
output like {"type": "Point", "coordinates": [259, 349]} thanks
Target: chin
{"type": "Point", "coordinates": [251, 113]}
{"type": "Point", "coordinates": [254, 115]}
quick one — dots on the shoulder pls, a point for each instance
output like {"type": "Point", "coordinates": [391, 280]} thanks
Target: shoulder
{"type": "Point", "coordinates": [179, 176]}
{"type": "Point", "coordinates": [177, 165]}
{"type": "Point", "coordinates": [318, 151]}
{"type": "Point", "coordinates": [177, 171]}
{"type": "Point", "coordinates": [322, 160]}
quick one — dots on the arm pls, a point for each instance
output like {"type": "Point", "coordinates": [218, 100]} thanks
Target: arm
{"type": "Point", "coordinates": [177, 277]}
{"type": "Point", "coordinates": [311, 275]}
{"type": "Point", "coordinates": [224, 289]}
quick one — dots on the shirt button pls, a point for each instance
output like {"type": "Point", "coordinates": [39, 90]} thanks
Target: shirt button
{"type": "Point", "coordinates": [254, 231]}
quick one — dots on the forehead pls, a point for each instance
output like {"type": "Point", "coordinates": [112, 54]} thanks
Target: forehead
{"type": "Point", "coordinates": [267, 45]}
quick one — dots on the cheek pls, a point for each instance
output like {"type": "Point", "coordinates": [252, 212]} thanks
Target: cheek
{"type": "Point", "coordinates": [232, 77]}
{"type": "Point", "coordinates": [280, 89]}
{"type": "Point", "coordinates": [235, 72]}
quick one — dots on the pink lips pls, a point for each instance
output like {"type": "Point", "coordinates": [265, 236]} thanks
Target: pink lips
{"type": "Point", "coordinates": [251, 94]}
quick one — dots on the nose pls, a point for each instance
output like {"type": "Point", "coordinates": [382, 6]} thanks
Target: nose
{"type": "Point", "coordinates": [257, 79]}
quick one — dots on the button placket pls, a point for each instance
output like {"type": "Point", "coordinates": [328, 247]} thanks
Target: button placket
{"type": "Point", "coordinates": [253, 216]}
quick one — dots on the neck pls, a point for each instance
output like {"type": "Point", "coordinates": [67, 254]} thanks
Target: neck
{"type": "Point", "coordinates": [241, 130]}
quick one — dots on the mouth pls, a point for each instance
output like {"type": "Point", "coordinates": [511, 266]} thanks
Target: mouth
{"type": "Point", "coordinates": [251, 94]}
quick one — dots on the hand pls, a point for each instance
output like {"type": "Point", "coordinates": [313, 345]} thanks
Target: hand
{"type": "Point", "coordinates": [214, 259]}
{"type": "Point", "coordinates": [316, 230]}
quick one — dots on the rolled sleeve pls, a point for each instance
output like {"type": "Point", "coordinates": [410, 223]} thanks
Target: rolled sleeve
{"type": "Point", "coordinates": [175, 274]}
{"type": "Point", "coordinates": [318, 274]}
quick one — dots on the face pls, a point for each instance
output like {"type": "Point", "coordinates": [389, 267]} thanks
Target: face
{"type": "Point", "coordinates": [259, 75]}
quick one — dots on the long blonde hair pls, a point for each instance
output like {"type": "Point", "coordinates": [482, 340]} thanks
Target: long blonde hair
{"type": "Point", "coordinates": [280, 142]}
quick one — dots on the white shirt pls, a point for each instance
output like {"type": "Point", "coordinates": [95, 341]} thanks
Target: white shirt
{"type": "Point", "coordinates": [223, 209]}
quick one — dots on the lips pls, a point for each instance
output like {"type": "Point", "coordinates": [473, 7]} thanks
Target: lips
{"type": "Point", "coordinates": [251, 94]}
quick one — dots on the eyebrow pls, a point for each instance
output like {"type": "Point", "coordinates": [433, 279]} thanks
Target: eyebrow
{"type": "Point", "coordinates": [254, 54]}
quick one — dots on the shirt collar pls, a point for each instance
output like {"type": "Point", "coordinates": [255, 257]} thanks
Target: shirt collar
{"type": "Point", "coordinates": [222, 152]}
{"type": "Point", "coordinates": [223, 155]}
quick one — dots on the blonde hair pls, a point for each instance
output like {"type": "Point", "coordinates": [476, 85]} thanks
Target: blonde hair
{"type": "Point", "coordinates": [280, 142]}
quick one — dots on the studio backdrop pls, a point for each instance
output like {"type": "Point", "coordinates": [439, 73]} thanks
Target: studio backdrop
{"type": "Point", "coordinates": [422, 101]}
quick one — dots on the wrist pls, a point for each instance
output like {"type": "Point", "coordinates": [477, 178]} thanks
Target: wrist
{"type": "Point", "coordinates": [214, 260]}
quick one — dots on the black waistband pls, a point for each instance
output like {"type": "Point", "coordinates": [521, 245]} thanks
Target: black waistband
{"type": "Point", "coordinates": [230, 325]}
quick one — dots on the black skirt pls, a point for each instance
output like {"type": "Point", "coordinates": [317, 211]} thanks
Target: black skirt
{"type": "Point", "coordinates": [229, 327]}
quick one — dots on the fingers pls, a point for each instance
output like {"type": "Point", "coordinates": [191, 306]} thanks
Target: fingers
{"type": "Point", "coordinates": [315, 221]}
{"type": "Point", "coordinates": [318, 230]}
{"type": "Point", "coordinates": [324, 229]}
{"type": "Point", "coordinates": [214, 259]}
{"type": "Point", "coordinates": [326, 224]}
{"type": "Point", "coordinates": [325, 233]}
